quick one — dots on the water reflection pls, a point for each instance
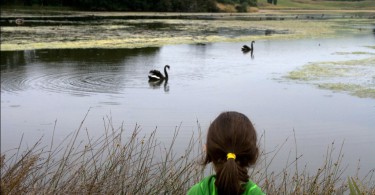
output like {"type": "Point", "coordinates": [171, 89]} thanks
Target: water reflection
{"type": "Point", "coordinates": [251, 53]}
{"type": "Point", "coordinates": [157, 84]}
{"type": "Point", "coordinates": [9, 59]}
{"type": "Point", "coordinates": [73, 71]}
{"type": "Point", "coordinates": [269, 32]}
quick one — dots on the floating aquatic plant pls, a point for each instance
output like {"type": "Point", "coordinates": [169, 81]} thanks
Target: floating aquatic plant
{"type": "Point", "coordinates": [353, 76]}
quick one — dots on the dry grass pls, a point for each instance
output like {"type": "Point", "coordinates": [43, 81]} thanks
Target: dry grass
{"type": "Point", "coordinates": [228, 8]}
{"type": "Point", "coordinates": [121, 162]}
{"type": "Point", "coordinates": [252, 9]}
{"type": "Point", "coordinates": [115, 163]}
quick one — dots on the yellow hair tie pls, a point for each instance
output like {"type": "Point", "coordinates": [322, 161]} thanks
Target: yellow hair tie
{"type": "Point", "coordinates": [231, 156]}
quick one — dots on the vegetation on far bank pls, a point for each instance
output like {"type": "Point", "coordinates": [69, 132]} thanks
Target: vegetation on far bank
{"type": "Point", "coordinates": [318, 5]}
{"type": "Point", "coordinates": [125, 162]}
{"type": "Point", "coordinates": [191, 5]}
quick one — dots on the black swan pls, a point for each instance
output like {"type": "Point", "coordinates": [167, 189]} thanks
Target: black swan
{"type": "Point", "coordinates": [155, 75]}
{"type": "Point", "coordinates": [246, 48]}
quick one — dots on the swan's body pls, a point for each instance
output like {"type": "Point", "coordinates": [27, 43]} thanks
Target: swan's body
{"type": "Point", "coordinates": [246, 48]}
{"type": "Point", "coordinates": [155, 75]}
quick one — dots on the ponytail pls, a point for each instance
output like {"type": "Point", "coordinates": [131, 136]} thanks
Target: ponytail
{"type": "Point", "coordinates": [230, 177]}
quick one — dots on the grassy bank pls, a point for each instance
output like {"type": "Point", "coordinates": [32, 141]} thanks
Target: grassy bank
{"type": "Point", "coordinates": [124, 162]}
{"type": "Point", "coordinates": [318, 5]}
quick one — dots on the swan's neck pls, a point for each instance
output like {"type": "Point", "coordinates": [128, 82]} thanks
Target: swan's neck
{"type": "Point", "coordinates": [252, 45]}
{"type": "Point", "coordinates": [165, 72]}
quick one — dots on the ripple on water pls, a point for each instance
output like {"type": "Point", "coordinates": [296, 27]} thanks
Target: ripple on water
{"type": "Point", "coordinates": [13, 83]}
{"type": "Point", "coordinates": [76, 83]}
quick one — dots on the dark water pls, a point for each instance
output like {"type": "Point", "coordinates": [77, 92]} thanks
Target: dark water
{"type": "Point", "coordinates": [39, 87]}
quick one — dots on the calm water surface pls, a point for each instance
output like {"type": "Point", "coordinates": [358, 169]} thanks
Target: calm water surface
{"type": "Point", "coordinates": [42, 86]}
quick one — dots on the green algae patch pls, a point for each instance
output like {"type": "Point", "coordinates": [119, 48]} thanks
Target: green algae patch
{"type": "Point", "coordinates": [355, 53]}
{"type": "Point", "coordinates": [356, 77]}
{"type": "Point", "coordinates": [316, 72]}
{"type": "Point", "coordinates": [353, 89]}
{"type": "Point", "coordinates": [113, 32]}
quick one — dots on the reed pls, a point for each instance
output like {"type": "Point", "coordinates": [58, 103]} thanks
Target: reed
{"type": "Point", "coordinates": [125, 162]}
{"type": "Point", "coordinates": [294, 179]}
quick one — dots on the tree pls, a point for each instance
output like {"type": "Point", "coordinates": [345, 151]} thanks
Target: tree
{"type": "Point", "coordinates": [163, 5]}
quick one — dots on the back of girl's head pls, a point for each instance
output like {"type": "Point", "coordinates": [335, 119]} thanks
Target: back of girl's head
{"type": "Point", "coordinates": [231, 132]}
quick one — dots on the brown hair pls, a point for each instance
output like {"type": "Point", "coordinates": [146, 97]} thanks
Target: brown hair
{"type": "Point", "coordinates": [231, 132]}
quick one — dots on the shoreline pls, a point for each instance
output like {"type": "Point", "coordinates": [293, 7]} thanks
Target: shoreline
{"type": "Point", "coordinates": [13, 13]}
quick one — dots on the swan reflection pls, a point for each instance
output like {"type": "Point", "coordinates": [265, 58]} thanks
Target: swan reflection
{"type": "Point", "coordinates": [157, 84]}
{"type": "Point", "coordinates": [246, 49]}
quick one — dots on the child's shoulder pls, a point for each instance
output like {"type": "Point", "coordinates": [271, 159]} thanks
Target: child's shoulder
{"type": "Point", "coordinates": [207, 186]}
{"type": "Point", "coordinates": [203, 187]}
{"type": "Point", "coordinates": [253, 189]}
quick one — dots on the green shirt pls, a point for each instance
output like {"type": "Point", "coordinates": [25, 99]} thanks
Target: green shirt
{"type": "Point", "coordinates": [207, 187]}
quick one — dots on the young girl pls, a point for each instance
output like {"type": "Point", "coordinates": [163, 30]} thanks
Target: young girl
{"type": "Point", "coordinates": [232, 148]}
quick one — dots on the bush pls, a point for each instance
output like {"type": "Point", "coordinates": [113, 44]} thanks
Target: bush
{"type": "Point", "coordinates": [242, 7]}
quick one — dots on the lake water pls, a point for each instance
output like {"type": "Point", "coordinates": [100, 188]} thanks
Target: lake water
{"type": "Point", "coordinates": [41, 86]}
